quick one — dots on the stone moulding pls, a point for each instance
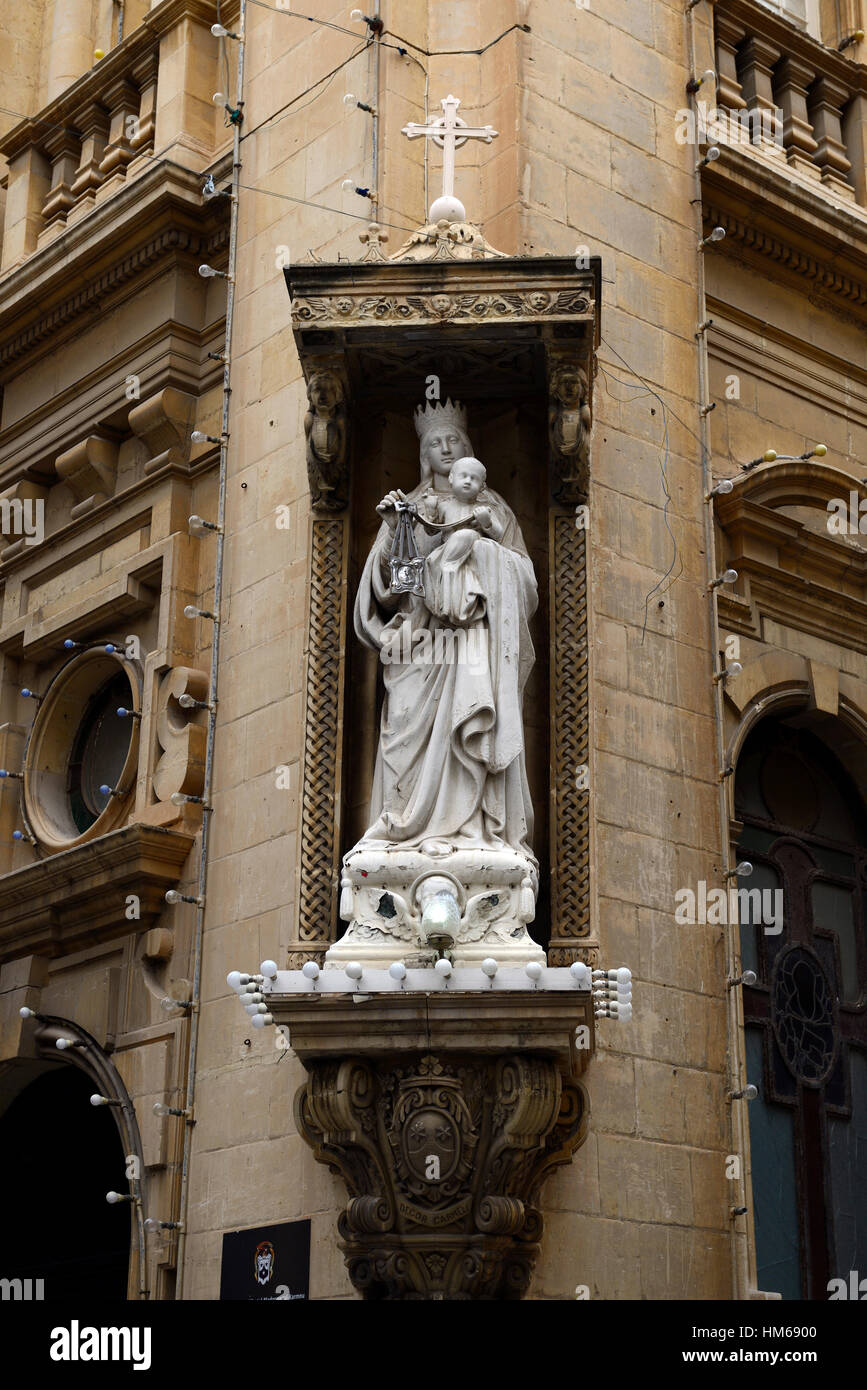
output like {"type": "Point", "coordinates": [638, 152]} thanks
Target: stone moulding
{"type": "Point", "coordinates": [444, 1118]}
{"type": "Point", "coordinates": [77, 897]}
{"type": "Point", "coordinates": [362, 322]}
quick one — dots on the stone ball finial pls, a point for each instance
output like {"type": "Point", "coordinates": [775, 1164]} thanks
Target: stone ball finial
{"type": "Point", "coordinates": [448, 209]}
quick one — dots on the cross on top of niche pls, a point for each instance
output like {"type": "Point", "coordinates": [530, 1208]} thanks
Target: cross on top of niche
{"type": "Point", "coordinates": [449, 132]}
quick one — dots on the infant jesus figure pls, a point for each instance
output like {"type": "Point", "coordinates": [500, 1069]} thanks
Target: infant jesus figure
{"type": "Point", "coordinates": [466, 479]}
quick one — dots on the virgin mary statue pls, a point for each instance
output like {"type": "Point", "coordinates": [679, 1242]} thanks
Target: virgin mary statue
{"type": "Point", "coordinates": [450, 769]}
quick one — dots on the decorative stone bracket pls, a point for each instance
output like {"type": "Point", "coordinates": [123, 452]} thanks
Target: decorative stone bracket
{"type": "Point", "coordinates": [90, 469]}
{"type": "Point", "coordinates": [443, 1112]}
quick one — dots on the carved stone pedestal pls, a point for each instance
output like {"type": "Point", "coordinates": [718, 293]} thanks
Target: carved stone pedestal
{"type": "Point", "coordinates": [443, 1114]}
{"type": "Point", "coordinates": [380, 899]}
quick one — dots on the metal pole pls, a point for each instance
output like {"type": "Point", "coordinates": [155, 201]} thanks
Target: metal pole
{"type": "Point", "coordinates": [215, 660]}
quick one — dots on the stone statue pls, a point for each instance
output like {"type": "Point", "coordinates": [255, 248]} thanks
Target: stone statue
{"type": "Point", "coordinates": [450, 803]}
{"type": "Point", "coordinates": [325, 431]}
{"type": "Point", "coordinates": [569, 421]}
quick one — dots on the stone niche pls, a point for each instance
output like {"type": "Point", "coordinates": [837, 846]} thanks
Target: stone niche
{"type": "Point", "coordinates": [513, 339]}
{"type": "Point", "coordinates": [443, 1107]}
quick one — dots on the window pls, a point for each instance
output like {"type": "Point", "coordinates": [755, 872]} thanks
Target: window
{"type": "Point", "coordinates": [804, 13]}
{"type": "Point", "coordinates": [79, 744]}
{"type": "Point", "coordinates": [805, 831]}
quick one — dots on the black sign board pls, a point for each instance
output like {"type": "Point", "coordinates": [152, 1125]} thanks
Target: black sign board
{"type": "Point", "coordinates": [267, 1264]}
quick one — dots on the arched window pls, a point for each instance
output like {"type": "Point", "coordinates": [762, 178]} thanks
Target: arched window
{"type": "Point", "coordinates": [803, 933]}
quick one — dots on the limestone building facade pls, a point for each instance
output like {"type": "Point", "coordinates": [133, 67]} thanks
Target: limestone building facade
{"type": "Point", "coordinates": [657, 402]}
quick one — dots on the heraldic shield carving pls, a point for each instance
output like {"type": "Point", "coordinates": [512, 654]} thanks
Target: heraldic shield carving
{"type": "Point", "coordinates": [443, 1157]}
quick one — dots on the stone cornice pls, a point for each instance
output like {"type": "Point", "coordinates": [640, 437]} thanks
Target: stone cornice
{"type": "Point", "coordinates": [770, 217]}
{"type": "Point", "coordinates": [77, 897]}
{"type": "Point", "coordinates": [91, 86]}
{"type": "Point", "coordinates": [152, 217]}
{"type": "Point", "coordinates": [346, 301]}
{"type": "Point", "coordinates": [791, 573]}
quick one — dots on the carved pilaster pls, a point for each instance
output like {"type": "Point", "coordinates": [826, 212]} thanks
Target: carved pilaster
{"type": "Point", "coordinates": [323, 736]}
{"type": "Point", "coordinates": [443, 1155]}
{"type": "Point", "coordinates": [570, 741]}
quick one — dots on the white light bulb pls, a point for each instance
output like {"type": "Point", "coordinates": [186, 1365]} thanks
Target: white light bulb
{"type": "Point", "coordinates": [251, 1008]}
{"type": "Point", "coordinates": [712, 154]}
{"type": "Point", "coordinates": [749, 977]}
{"type": "Point", "coordinates": [730, 576]}
{"type": "Point", "coordinates": [98, 1100]}
{"type": "Point", "coordinates": [744, 869]}
{"type": "Point", "coordinates": [624, 975]}
{"type": "Point", "coordinates": [580, 973]}
{"type": "Point", "coordinates": [26, 1013]}
{"type": "Point", "coordinates": [112, 1198]}
{"type": "Point", "coordinates": [750, 1092]}
{"type": "Point", "coordinates": [233, 980]}
{"type": "Point", "coordinates": [533, 969]}
{"type": "Point", "coordinates": [269, 969]}
{"type": "Point", "coordinates": [443, 967]}
{"type": "Point", "coordinates": [350, 99]}
{"type": "Point", "coordinates": [173, 896]}
{"type": "Point", "coordinates": [734, 668]}
{"type": "Point", "coordinates": [262, 1020]}
{"type": "Point", "coordinates": [310, 970]}
{"type": "Point", "coordinates": [354, 970]}
{"type": "Point", "coordinates": [725, 486]}
{"type": "Point", "coordinates": [489, 967]}
{"type": "Point", "coordinates": [397, 970]}
{"type": "Point", "coordinates": [207, 272]}
{"type": "Point", "coordinates": [63, 1043]}
{"type": "Point", "coordinates": [178, 799]}
{"type": "Point", "coordinates": [219, 31]}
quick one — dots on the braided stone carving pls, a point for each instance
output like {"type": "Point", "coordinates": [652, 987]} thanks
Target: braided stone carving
{"type": "Point", "coordinates": [570, 802]}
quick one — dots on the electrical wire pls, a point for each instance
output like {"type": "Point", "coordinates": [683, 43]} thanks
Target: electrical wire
{"type": "Point", "coordinates": [358, 216]}
{"type": "Point", "coordinates": [328, 77]}
{"type": "Point", "coordinates": [451, 52]}
{"type": "Point", "coordinates": [663, 468]}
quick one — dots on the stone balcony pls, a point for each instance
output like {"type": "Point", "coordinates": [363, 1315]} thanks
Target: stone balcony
{"type": "Point", "coordinates": [148, 100]}
{"type": "Point", "coordinates": [784, 97]}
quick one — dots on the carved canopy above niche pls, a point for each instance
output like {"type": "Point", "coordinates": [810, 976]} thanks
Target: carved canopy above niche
{"type": "Point", "coordinates": [491, 318]}
{"type": "Point", "coordinates": [495, 329]}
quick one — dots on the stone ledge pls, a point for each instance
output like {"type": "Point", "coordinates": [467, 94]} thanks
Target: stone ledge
{"type": "Point", "coordinates": [77, 897]}
{"type": "Point", "coordinates": [484, 1021]}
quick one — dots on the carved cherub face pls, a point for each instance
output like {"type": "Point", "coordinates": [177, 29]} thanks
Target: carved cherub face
{"type": "Point", "coordinates": [324, 391]}
{"type": "Point", "coordinates": [467, 478]}
{"type": "Point", "coordinates": [569, 387]}
{"type": "Point", "coordinates": [443, 447]}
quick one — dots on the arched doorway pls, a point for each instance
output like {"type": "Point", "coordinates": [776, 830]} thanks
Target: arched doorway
{"type": "Point", "coordinates": [59, 1156]}
{"type": "Point", "coordinates": [805, 831]}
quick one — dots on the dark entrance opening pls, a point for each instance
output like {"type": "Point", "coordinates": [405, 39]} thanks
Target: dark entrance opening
{"type": "Point", "coordinates": [59, 1156]}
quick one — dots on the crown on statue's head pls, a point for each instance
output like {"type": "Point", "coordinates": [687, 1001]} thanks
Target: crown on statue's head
{"type": "Point", "coordinates": [439, 415]}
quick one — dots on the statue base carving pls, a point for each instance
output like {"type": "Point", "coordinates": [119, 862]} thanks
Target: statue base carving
{"type": "Point", "coordinates": [443, 1111]}
{"type": "Point", "coordinates": [382, 897]}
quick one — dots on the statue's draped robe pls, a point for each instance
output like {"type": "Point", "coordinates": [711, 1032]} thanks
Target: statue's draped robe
{"type": "Point", "coordinates": [450, 763]}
